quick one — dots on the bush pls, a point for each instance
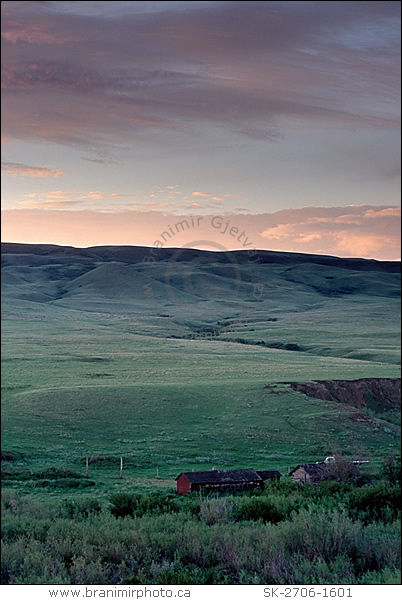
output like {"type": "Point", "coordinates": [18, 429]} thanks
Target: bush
{"type": "Point", "coordinates": [54, 473]}
{"type": "Point", "coordinates": [378, 502]}
{"type": "Point", "coordinates": [384, 577]}
{"type": "Point", "coordinates": [123, 505]}
{"type": "Point", "coordinates": [82, 508]}
{"type": "Point", "coordinates": [65, 483]}
{"type": "Point", "coordinates": [188, 575]}
{"type": "Point", "coordinates": [158, 503]}
{"type": "Point", "coordinates": [10, 501]}
{"type": "Point", "coordinates": [51, 474]}
{"type": "Point", "coordinates": [391, 469]}
{"type": "Point", "coordinates": [256, 508]}
{"type": "Point", "coordinates": [217, 510]}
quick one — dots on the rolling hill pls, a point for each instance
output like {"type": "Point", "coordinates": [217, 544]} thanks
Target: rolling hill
{"type": "Point", "coordinates": [62, 272]}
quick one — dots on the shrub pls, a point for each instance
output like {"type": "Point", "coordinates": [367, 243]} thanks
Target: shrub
{"type": "Point", "coordinates": [156, 503]}
{"type": "Point", "coordinates": [386, 576]}
{"type": "Point", "coordinates": [65, 483]}
{"type": "Point", "coordinates": [51, 474]}
{"type": "Point", "coordinates": [10, 501]}
{"type": "Point", "coordinates": [188, 575]}
{"type": "Point", "coordinates": [82, 508]}
{"type": "Point", "coordinates": [256, 508]}
{"type": "Point", "coordinates": [54, 473]}
{"type": "Point", "coordinates": [217, 510]}
{"type": "Point", "coordinates": [375, 503]}
{"type": "Point", "coordinates": [123, 505]}
{"type": "Point", "coordinates": [391, 468]}
{"type": "Point", "coordinates": [316, 571]}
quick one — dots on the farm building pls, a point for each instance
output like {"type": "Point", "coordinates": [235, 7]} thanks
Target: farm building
{"type": "Point", "coordinates": [309, 473]}
{"type": "Point", "coordinates": [217, 480]}
{"type": "Point", "coordinates": [268, 476]}
{"type": "Point", "coordinates": [327, 470]}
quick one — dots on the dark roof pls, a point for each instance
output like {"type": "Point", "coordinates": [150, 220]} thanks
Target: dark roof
{"type": "Point", "coordinates": [268, 474]}
{"type": "Point", "coordinates": [216, 476]}
{"type": "Point", "coordinates": [314, 470]}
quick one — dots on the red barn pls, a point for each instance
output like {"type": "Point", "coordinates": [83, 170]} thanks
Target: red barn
{"type": "Point", "coordinates": [215, 480]}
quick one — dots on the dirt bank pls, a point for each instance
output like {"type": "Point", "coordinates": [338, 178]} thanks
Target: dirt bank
{"type": "Point", "coordinates": [377, 394]}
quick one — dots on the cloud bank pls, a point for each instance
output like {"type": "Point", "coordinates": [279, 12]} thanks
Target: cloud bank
{"type": "Point", "coordinates": [29, 171]}
{"type": "Point", "coordinates": [358, 231]}
{"type": "Point", "coordinates": [253, 68]}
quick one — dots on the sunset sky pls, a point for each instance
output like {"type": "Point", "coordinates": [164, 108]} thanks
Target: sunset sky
{"type": "Point", "coordinates": [275, 120]}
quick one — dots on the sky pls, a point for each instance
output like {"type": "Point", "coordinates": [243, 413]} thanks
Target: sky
{"type": "Point", "coordinates": [220, 125]}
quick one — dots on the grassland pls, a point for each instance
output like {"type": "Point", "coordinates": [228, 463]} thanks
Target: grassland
{"type": "Point", "coordinates": [94, 370]}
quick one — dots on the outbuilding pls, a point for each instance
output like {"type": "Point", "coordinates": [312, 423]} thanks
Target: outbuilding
{"type": "Point", "coordinates": [268, 476]}
{"type": "Point", "coordinates": [328, 470]}
{"type": "Point", "coordinates": [309, 473]}
{"type": "Point", "coordinates": [218, 480]}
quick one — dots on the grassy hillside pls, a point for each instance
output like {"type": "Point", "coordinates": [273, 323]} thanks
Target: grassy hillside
{"type": "Point", "coordinates": [180, 363]}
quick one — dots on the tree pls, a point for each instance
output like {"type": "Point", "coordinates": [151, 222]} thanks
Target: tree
{"type": "Point", "coordinates": [341, 470]}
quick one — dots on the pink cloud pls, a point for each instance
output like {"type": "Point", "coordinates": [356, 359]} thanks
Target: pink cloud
{"type": "Point", "coordinates": [385, 212]}
{"type": "Point", "coordinates": [348, 231]}
{"type": "Point", "coordinates": [311, 237]}
{"type": "Point", "coordinates": [49, 204]}
{"type": "Point", "coordinates": [92, 196]}
{"type": "Point", "coordinates": [345, 219]}
{"type": "Point", "coordinates": [361, 244]}
{"type": "Point", "coordinates": [57, 194]}
{"type": "Point", "coordinates": [295, 230]}
{"type": "Point", "coordinates": [279, 232]}
{"type": "Point", "coordinates": [29, 171]}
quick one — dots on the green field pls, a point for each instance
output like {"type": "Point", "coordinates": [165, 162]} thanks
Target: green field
{"type": "Point", "coordinates": [93, 371]}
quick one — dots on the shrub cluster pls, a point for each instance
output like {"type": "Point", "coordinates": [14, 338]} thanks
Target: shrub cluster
{"type": "Point", "coordinates": [286, 534]}
{"type": "Point", "coordinates": [52, 478]}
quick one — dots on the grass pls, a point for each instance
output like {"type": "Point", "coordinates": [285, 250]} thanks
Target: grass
{"type": "Point", "coordinates": [92, 387]}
